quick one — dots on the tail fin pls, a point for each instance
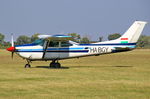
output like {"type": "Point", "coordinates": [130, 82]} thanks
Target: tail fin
{"type": "Point", "coordinates": [133, 33]}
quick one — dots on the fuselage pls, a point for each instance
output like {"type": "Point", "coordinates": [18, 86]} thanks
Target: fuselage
{"type": "Point", "coordinates": [39, 52]}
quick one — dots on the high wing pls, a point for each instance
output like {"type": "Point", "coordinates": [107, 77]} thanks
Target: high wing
{"type": "Point", "coordinates": [56, 37]}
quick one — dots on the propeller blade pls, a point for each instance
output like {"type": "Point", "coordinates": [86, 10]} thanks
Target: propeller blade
{"type": "Point", "coordinates": [12, 40]}
{"type": "Point", "coordinates": [12, 55]}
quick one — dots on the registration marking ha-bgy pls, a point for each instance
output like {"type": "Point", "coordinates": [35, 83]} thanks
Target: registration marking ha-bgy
{"type": "Point", "coordinates": [99, 50]}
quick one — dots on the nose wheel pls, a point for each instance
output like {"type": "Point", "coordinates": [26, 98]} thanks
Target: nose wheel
{"type": "Point", "coordinates": [54, 64]}
{"type": "Point", "coordinates": [28, 64]}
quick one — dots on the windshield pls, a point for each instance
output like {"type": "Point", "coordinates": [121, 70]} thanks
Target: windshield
{"type": "Point", "coordinates": [39, 42]}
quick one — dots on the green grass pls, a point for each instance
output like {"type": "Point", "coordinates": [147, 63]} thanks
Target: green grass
{"type": "Point", "coordinates": [114, 76]}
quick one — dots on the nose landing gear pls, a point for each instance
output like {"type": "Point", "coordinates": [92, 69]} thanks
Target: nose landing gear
{"type": "Point", "coordinates": [28, 64]}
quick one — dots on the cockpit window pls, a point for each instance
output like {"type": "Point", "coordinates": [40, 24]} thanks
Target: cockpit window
{"type": "Point", "coordinates": [53, 44]}
{"type": "Point", "coordinates": [39, 42]}
{"type": "Point", "coordinates": [65, 44]}
{"type": "Point", "coordinates": [59, 44]}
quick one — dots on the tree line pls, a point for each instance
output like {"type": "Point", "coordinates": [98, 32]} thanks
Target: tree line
{"type": "Point", "coordinates": [143, 42]}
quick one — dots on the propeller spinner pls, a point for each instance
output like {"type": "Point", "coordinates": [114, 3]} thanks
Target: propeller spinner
{"type": "Point", "coordinates": [12, 48]}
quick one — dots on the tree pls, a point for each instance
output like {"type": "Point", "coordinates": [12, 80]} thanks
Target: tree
{"type": "Point", "coordinates": [76, 37]}
{"type": "Point", "coordinates": [34, 37]}
{"type": "Point", "coordinates": [114, 36]}
{"type": "Point", "coordinates": [143, 41]}
{"type": "Point", "coordinates": [85, 40]}
{"type": "Point", "coordinates": [23, 40]}
{"type": "Point", "coordinates": [6, 44]}
{"type": "Point", "coordinates": [100, 38]}
{"type": "Point", "coordinates": [1, 38]}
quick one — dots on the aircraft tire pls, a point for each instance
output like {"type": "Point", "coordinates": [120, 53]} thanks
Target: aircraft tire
{"type": "Point", "coordinates": [27, 66]}
{"type": "Point", "coordinates": [55, 65]}
{"type": "Point", "coordinates": [52, 65]}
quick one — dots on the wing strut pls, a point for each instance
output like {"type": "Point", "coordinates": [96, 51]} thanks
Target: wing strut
{"type": "Point", "coordinates": [45, 48]}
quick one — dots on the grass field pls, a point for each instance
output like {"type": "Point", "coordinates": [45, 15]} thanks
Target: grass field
{"type": "Point", "coordinates": [115, 76]}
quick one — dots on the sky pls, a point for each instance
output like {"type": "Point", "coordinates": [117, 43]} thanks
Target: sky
{"type": "Point", "coordinates": [91, 18]}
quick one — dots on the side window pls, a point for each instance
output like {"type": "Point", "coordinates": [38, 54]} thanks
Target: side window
{"type": "Point", "coordinates": [53, 44]}
{"type": "Point", "coordinates": [65, 44]}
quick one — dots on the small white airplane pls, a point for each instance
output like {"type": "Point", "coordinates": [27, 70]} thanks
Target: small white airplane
{"type": "Point", "coordinates": [58, 47]}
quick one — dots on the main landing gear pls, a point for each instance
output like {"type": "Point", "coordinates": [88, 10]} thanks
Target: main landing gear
{"type": "Point", "coordinates": [55, 64]}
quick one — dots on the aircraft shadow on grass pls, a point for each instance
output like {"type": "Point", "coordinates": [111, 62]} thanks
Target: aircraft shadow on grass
{"type": "Point", "coordinates": [47, 67]}
{"type": "Point", "coordinates": [119, 66]}
{"type": "Point", "coordinates": [65, 67]}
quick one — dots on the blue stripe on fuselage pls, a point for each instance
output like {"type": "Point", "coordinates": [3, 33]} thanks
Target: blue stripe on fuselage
{"type": "Point", "coordinates": [73, 51]}
{"type": "Point", "coordinates": [122, 44]}
{"type": "Point", "coordinates": [79, 49]}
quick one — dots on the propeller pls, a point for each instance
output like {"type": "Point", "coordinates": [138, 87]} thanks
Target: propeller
{"type": "Point", "coordinates": [12, 48]}
{"type": "Point", "coordinates": [12, 44]}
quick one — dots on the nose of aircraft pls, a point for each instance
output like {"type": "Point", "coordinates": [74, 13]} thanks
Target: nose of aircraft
{"type": "Point", "coordinates": [11, 49]}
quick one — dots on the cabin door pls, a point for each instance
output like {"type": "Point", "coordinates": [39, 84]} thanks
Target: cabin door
{"type": "Point", "coordinates": [52, 50]}
{"type": "Point", "coordinates": [56, 49]}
